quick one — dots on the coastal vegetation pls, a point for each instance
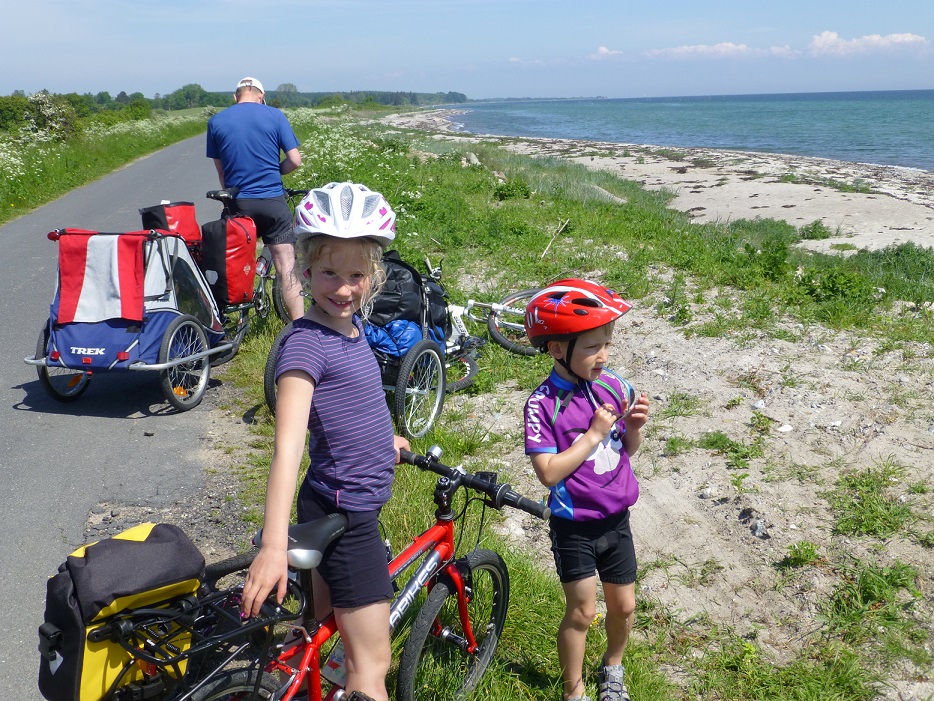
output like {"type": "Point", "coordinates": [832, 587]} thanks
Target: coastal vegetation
{"type": "Point", "coordinates": [514, 222]}
{"type": "Point", "coordinates": [501, 222]}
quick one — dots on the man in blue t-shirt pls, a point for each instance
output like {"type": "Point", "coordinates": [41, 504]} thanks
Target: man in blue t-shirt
{"type": "Point", "coordinates": [245, 141]}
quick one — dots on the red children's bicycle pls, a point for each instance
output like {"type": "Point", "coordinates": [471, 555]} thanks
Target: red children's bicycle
{"type": "Point", "coordinates": [452, 633]}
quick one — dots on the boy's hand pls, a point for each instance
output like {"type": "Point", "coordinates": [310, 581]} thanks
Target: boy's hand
{"type": "Point", "coordinates": [603, 420]}
{"type": "Point", "coordinates": [639, 414]}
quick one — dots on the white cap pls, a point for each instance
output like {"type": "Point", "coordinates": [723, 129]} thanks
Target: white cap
{"type": "Point", "coordinates": [250, 83]}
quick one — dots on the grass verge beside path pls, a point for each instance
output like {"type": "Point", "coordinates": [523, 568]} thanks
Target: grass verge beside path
{"type": "Point", "coordinates": [33, 173]}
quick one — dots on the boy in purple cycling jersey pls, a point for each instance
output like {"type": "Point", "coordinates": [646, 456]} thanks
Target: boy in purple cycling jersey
{"type": "Point", "coordinates": [579, 443]}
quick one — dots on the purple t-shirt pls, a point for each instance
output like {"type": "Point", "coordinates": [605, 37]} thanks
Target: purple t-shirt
{"type": "Point", "coordinates": [556, 415]}
{"type": "Point", "coordinates": [247, 138]}
{"type": "Point", "coordinates": [350, 441]}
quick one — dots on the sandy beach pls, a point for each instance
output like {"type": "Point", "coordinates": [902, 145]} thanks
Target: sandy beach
{"type": "Point", "coordinates": [709, 536]}
{"type": "Point", "coordinates": [895, 205]}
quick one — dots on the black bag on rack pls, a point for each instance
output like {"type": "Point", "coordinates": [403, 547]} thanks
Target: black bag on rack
{"type": "Point", "coordinates": [405, 293]}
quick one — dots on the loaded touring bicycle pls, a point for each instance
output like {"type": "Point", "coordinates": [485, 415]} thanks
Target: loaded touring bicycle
{"type": "Point", "coordinates": [130, 302]}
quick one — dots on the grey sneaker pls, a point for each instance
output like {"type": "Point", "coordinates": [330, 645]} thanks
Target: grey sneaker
{"type": "Point", "coordinates": [610, 684]}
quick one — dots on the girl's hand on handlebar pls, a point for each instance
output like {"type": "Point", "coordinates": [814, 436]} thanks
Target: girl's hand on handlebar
{"type": "Point", "coordinates": [268, 572]}
{"type": "Point", "coordinates": [400, 443]}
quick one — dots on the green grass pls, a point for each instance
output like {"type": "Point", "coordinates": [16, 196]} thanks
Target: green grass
{"type": "Point", "coordinates": [503, 234]}
{"type": "Point", "coordinates": [711, 279]}
{"type": "Point", "coordinates": [864, 505]}
{"type": "Point", "coordinates": [33, 173]}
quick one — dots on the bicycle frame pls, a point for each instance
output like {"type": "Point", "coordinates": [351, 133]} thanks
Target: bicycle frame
{"type": "Point", "coordinates": [436, 545]}
{"type": "Point", "coordinates": [299, 660]}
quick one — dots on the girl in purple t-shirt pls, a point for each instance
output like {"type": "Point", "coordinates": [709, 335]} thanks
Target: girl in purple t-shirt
{"type": "Point", "coordinates": [579, 443]}
{"type": "Point", "coordinates": [329, 386]}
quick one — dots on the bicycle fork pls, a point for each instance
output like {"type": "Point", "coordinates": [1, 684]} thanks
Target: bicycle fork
{"type": "Point", "coordinates": [430, 568]}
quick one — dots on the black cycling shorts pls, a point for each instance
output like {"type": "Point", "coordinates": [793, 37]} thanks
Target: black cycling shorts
{"type": "Point", "coordinates": [604, 546]}
{"type": "Point", "coordinates": [355, 566]}
{"type": "Point", "coordinates": [272, 216]}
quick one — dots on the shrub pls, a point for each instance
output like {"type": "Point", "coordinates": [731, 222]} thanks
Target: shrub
{"type": "Point", "coordinates": [513, 188]}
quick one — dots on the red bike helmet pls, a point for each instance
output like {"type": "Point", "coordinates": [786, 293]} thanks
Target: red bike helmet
{"type": "Point", "coordinates": [567, 308]}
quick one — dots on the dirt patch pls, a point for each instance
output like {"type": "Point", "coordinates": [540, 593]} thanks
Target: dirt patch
{"type": "Point", "coordinates": [213, 518]}
{"type": "Point", "coordinates": [708, 535]}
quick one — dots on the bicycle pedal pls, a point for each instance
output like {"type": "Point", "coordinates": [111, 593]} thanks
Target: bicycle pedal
{"type": "Point", "coordinates": [475, 342]}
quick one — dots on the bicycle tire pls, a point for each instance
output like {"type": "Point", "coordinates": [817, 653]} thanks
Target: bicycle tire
{"type": "Point", "coordinates": [419, 393]}
{"type": "Point", "coordinates": [269, 371]}
{"type": "Point", "coordinates": [278, 301]}
{"type": "Point", "coordinates": [508, 328]}
{"type": "Point", "coordinates": [461, 373]}
{"type": "Point", "coordinates": [224, 568]}
{"type": "Point", "coordinates": [62, 384]}
{"type": "Point", "coordinates": [184, 385]}
{"type": "Point", "coordinates": [237, 685]}
{"type": "Point", "coordinates": [434, 666]}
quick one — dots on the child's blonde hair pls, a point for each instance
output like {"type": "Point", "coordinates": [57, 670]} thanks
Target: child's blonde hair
{"type": "Point", "coordinates": [310, 249]}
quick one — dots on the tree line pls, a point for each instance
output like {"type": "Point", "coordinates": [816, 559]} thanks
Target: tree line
{"type": "Point", "coordinates": [19, 110]}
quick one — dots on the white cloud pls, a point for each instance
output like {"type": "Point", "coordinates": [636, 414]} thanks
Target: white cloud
{"type": "Point", "coordinates": [603, 52]}
{"type": "Point", "coordinates": [831, 44]}
{"type": "Point", "coordinates": [725, 49]}
{"type": "Point", "coordinates": [526, 62]}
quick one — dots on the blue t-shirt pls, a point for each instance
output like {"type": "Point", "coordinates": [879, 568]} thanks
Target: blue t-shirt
{"type": "Point", "coordinates": [351, 443]}
{"type": "Point", "coordinates": [556, 415]}
{"type": "Point", "coordinates": [247, 138]}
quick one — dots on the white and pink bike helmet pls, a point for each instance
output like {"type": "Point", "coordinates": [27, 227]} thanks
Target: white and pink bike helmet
{"type": "Point", "coordinates": [345, 211]}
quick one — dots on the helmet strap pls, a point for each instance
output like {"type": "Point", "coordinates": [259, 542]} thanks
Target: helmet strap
{"type": "Point", "coordinates": [565, 362]}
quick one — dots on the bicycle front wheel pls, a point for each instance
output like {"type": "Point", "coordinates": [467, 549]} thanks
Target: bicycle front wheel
{"type": "Point", "coordinates": [278, 300]}
{"type": "Point", "coordinates": [237, 685]}
{"type": "Point", "coordinates": [435, 662]}
{"type": "Point", "coordinates": [507, 327]}
{"type": "Point", "coordinates": [462, 372]}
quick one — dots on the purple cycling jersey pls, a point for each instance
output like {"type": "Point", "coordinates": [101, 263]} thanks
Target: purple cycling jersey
{"type": "Point", "coordinates": [557, 414]}
{"type": "Point", "coordinates": [351, 443]}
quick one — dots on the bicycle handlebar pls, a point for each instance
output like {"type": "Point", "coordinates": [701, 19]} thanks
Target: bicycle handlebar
{"type": "Point", "coordinates": [500, 494]}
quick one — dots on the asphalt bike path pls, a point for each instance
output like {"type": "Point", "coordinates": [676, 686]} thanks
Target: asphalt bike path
{"type": "Point", "coordinates": [118, 443]}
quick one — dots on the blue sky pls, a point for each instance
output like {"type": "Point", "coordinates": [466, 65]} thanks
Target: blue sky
{"type": "Point", "coordinates": [483, 48]}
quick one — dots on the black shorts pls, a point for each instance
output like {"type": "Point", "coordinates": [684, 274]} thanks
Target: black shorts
{"type": "Point", "coordinates": [605, 546]}
{"type": "Point", "coordinates": [355, 566]}
{"type": "Point", "coordinates": [272, 216]}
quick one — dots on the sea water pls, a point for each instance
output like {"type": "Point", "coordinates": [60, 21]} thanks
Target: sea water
{"type": "Point", "coordinates": [886, 127]}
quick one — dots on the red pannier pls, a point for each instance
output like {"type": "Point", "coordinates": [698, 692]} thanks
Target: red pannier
{"type": "Point", "coordinates": [228, 259]}
{"type": "Point", "coordinates": [175, 217]}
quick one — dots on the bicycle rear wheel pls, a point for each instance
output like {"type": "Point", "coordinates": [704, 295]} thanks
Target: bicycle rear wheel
{"type": "Point", "coordinates": [435, 663]}
{"type": "Point", "coordinates": [269, 372]}
{"type": "Point", "coordinates": [419, 393]}
{"type": "Point", "coordinates": [236, 686]}
{"type": "Point", "coordinates": [507, 327]}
